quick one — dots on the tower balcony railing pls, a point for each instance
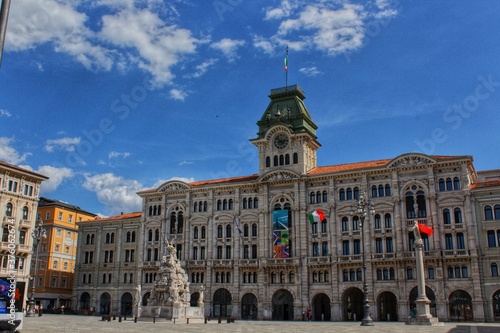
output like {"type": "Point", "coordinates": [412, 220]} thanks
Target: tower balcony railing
{"type": "Point", "coordinates": [420, 220]}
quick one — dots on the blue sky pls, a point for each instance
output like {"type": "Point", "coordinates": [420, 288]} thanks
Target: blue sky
{"type": "Point", "coordinates": [109, 97]}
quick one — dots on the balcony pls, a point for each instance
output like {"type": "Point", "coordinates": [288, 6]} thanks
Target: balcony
{"type": "Point", "coordinates": [25, 223]}
{"type": "Point", "coordinates": [356, 257]}
{"type": "Point", "coordinates": [249, 262]}
{"type": "Point", "coordinates": [23, 248]}
{"type": "Point", "coordinates": [318, 260]}
{"type": "Point", "coordinates": [195, 263]}
{"type": "Point", "coordinates": [383, 256]}
{"type": "Point", "coordinates": [455, 253]}
{"type": "Point", "coordinates": [411, 222]}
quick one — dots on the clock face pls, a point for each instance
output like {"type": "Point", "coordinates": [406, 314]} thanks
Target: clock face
{"type": "Point", "coordinates": [281, 141]}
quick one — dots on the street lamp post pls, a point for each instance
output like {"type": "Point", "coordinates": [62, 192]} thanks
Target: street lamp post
{"type": "Point", "coordinates": [365, 207]}
{"type": "Point", "coordinates": [38, 233]}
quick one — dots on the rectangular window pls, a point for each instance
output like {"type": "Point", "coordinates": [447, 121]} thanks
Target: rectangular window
{"type": "Point", "coordinates": [254, 251]}
{"type": "Point", "coordinates": [54, 264]}
{"type": "Point", "coordinates": [60, 216]}
{"type": "Point", "coordinates": [345, 248]}
{"type": "Point", "coordinates": [202, 253]}
{"type": "Point", "coordinates": [357, 246]}
{"type": "Point", "coordinates": [54, 282]}
{"type": "Point", "coordinates": [378, 245]}
{"type": "Point", "coordinates": [389, 245]}
{"type": "Point", "coordinates": [448, 241]}
{"type": "Point", "coordinates": [70, 218]}
{"type": "Point", "coordinates": [491, 239]}
{"type": "Point", "coordinates": [460, 241]}
{"type": "Point", "coordinates": [58, 232]}
{"type": "Point", "coordinates": [219, 252]}
{"type": "Point", "coordinates": [47, 215]}
{"type": "Point", "coordinates": [245, 252]}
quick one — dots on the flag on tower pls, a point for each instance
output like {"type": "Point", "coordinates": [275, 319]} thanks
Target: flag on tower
{"type": "Point", "coordinates": [424, 229]}
{"type": "Point", "coordinates": [316, 216]}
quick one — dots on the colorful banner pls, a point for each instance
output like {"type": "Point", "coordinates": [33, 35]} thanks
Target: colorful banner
{"type": "Point", "coordinates": [280, 234]}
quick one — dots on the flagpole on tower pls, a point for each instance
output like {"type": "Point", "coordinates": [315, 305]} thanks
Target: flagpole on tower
{"type": "Point", "coordinates": [286, 69]}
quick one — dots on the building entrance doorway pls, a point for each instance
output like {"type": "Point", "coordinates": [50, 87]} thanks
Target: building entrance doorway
{"type": "Point", "coordinates": [282, 305]}
{"type": "Point", "coordinates": [321, 308]}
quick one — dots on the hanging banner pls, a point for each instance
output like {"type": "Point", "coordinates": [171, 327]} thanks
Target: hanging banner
{"type": "Point", "coordinates": [280, 234]}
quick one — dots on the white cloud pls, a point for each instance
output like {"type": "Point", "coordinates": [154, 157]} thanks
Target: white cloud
{"type": "Point", "coordinates": [159, 46]}
{"type": "Point", "coordinates": [115, 154]}
{"type": "Point", "coordinates": [64, 144]}
{"type": "Point", "coordinates": [118, 194]}
{"type": "Point", "coordinates": [9, 154]}
{"type": "Point", "coordinates": [36, 22]}
{"type": "Point", "coordinates": [228, 47]}
{"type": "Point", "coordinates": [185, 163]}
{"type": "Point", "coordinates": [283, 10]}
{"type": "Point", "coordinates": [330, 26]}
{"type": "Point", "coordinates": [132, 35]}
{"type": "Point", "coordinates": [310, 71]}
{"type": "Point", "coordinates": [5, 113]}
{"type": "Point", "coordinates": [56, 177]}
{"type": "Point", "coordinates": [202, 68]}
{"type": "Point", "coordinates": [178, 94]}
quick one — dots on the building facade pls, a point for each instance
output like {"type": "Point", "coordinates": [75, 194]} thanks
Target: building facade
{"type": "Point", "coordinates": [108, 264]}
{"type": "Point", "coordinates": [57, 252]}
{"type": "Point", "coordinates": [249, 242]}
{"type": "Point", "coordinates": [19, 190]}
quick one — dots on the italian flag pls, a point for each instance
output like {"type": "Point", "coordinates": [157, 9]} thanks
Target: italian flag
{"type": "Point", "coordinates": [424, 229]}
{"type": "Point", "coordinates": [286, 64]}
{"type": "Point", "coordinates": [316, 216]}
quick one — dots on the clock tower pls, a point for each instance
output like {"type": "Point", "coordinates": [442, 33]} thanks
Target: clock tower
{"type": "Point", "coordinates": [287, 134]}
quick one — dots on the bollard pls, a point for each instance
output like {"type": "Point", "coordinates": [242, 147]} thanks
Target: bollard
{"type": "Point", "coordinates": [228, 320]}
{"type": "Point", "coordinates": [187, 320]}
{"type": "Point", "coordinates": [154, 320]}
{"type": "Point", "coordinates": [114, 317]}
{"type": "Point", "coordinates": [120, 319]}
{"type": "Point", "coordinates": [220, 319]}
{"type": "Point", "coordinates": [205, 320]}
{"type": "Point", "coordinates": [135, 319]}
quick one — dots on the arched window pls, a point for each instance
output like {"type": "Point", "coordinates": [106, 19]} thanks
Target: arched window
{"type": "Point", "coordinates": [173, 221]}
{"type": "Point", "coordinates": [488, 213]}
{"type": "Point", "coordinates": [449, 184]}
{"type": "Point", "coordinates": [386, 273]}
{"type": "Point", "coordinates": [465, 271]}
{"type": "Point", "coordinates": [359, 275]}
{"type": "Point", "coordinates": [287, 159]}
{"type": "Point", "coordinates": [392, 274]}
{"type": "Point", "coordinates": [245, 206]}
{"type": "Point", "coordinates": [275, 160]}
{"type": "Point", "coordinates": [268, 162]}
{"type": "Point", "coordinates": [325, 196]}
{"type": "Point", "coordinates": [388, 221]}
{"type": "Point", "coordinates": [446, 216]}
{"type": "Point", "coordinates": [349, 194]}
{"type": "Point", "coordinates": [430, 272]}
{"type": "Point", "coordinates": [450, 272]}
{"type": "Point", "coordinates": [295, 158]}
{"type": "Point", "coordinates": [494, 269]}
{"type": "Point", "coordinates": [442, 186]}
{"type": "Point", "coordinates": [224, 204]}
{"type": "Point", "coordinates": [356, 193]}
{"type": "Point", "coordinates": [282, 160]}
{"type": "Point", "coordinates": [195, 233]}
{"type": "Point", "coordinates": [380, 190]}
{"type": "Point", "coordinates": [228, 231]}
{"type": "Point", "coordinates": [195, 207]}
{"type": "Point", "coordinates": [345, 224]}
{"type": "Point", "coordinates": [25, 213]}
{"type": "Point", "coordinates": [231, 204]}
{"type": "Point", "coordinates": [379, 273]}
{"type": "Point", "coordinates": [341, 194]}
{"type": "Point", "coordinates": [180, 223]}
{"type": "Point", "coordinates": [219, 205]}
{"type": "Point", "coordinates": [219, 231]}
{"type": "Point", "coordinates": [159, 209]}
{"type": "Point", "coordinates": [150, 235]}
{"type": "Point", "coordinates": [497, 212]}
{"type": "Point", "coordinates": [154, 210]}
{"type": "Point", "coordinates": [254, 230]}
{"type": "Point", "coordinates": [378, 224]}
{"type": "Point", "coordinates": [409, 273]}
{"type": "Point", "coordinates": [345, 275]}
{"type": "Point", "coordinates": [312, 198]}
{"type": "Point", "coordinates": [387, 190]}
{"type": "Point", "coordinates": [245, 230]}
{"type": "Point", "coordinates": [157, 235]}
{"type": "Point", "coordinates": [457, 212]}
{"type": "Point", "coordinates": [355, 222]}
{"type": "Point", "coordinates": [318, 197]}
{"type": "Point", "coordinates": [150, 210]}
{"type": "Point", "coordinates": [374, 191]}
{"type": "Point", "coordinates": [456, 183]}
{"type": "Point", "coordinates": [203, 232]}
{"type": "Point", "coordinates": [457, 271]}
{"type": "Point", "coordinates": [352, 275]}
{"type": "Point", "coordinates": [8, 209]}
{"type": "Point", "coordinates": [255, 202]}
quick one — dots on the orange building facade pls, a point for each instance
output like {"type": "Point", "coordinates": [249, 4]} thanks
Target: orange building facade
{"type": "Point", "coordinates": [56, 257]}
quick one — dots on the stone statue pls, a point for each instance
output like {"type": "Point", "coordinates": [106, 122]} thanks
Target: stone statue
{"type": "Point", "coordinates": [416, 232]}
{"type": "Point", "coordinates": [200, 300]}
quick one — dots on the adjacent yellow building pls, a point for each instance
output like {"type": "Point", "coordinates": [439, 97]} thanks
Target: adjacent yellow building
{"type": "Point", "coordinates": [56, 258]}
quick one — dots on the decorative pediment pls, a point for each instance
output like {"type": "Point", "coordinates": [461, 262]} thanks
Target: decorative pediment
{"type": "Point", "coordinates": [173, 186]}
{"type": "Point", "coordinates": [277, 176]}
{"type": "Point", "coordinates": [410, 161]}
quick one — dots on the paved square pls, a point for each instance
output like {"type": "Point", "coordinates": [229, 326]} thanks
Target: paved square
{"type": "Point", "coordinates": [75, 324]}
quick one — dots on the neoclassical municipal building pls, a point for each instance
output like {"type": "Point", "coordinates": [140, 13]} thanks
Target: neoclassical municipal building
{"type": "Point", "coordinates": [248, 241]}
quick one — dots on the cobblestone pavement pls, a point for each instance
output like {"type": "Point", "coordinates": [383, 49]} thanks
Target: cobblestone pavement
{"type": "Point", "coordinates": [76, 324]}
